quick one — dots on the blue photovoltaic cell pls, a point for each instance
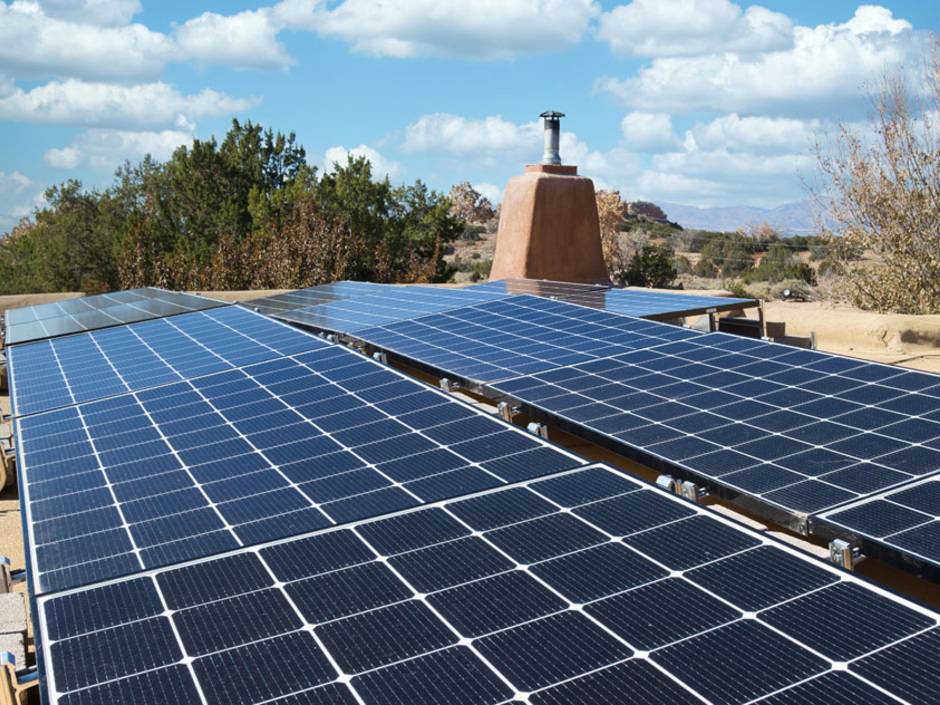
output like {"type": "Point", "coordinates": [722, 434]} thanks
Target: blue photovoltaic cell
{"type": "Point", "coordinates": [87, 366]}
{"type": "Point", "coordinates": [246, 455]}
{"type": "Point", "coordinates": [425, 607]}
{"type": "Point", "coordinates": [99, 311]}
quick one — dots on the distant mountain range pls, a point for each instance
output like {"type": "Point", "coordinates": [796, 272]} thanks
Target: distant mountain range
{"type": "Point", "coordinates": [794, 218]}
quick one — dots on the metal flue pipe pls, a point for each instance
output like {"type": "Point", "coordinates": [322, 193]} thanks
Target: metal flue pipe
{"type": "Point", "coordinates": [552, 130]}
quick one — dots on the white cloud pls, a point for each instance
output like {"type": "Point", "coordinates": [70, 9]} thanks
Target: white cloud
{"type": "Point", "coordinates": [14, 182]}
{"type": "Point", "coordinates": [487, 29]}
{"type": "Point", "coordinates": [64, 158]}
{"type": "Point", "coordinates": [490, 191]}
{"type": "Point", "coordinates": [101, 12]}
{"type": "Point", "coordinates": [874, 18]}
{"type": "Point", "coordinates": [106, 149]}
{"type": "Point", "coordinates": [244, 40]}
{"type": "Point", "coordinates": [647, 132]}
{"type": "Point", "coordinates": [828, 67]}
{"type": "Point", "coordinates": [756, 133]}
{"type": "Point", "coordinates": [685, 27]}
{"type": "Point", "coordinates": [77, 102]}
{"type": "Point", "coordinates": [33, 43]}
{"type": "Point", "coordinates": [12, 206]}
{"type": "Point", "coordinates": [455, 133]}
{"type": "Point", "coordinates": [381, 167]}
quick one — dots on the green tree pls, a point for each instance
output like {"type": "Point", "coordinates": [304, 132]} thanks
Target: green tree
{"type": "Point", "coordinates": [652, 266]}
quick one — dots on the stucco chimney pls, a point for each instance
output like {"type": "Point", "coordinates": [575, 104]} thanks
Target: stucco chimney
{"type": "Point", "coordinates": [548, 226]}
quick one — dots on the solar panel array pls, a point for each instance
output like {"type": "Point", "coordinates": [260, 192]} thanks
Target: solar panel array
{"type": "Point", "coordinates": [268, 450]}
{"type": "Point", "coordinates": [87, 366]}
{"type": "Point", "coordinates": [99, 311]}
{"type": "Point", "coordinates": [586, 587]}
{"type": "Point", "coordinates": [800, 430]}
{"type": "Point", "coordinates": [348, 307]}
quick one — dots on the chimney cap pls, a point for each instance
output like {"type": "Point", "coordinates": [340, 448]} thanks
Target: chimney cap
{"type": "Point", "coordinates": [551, 115]}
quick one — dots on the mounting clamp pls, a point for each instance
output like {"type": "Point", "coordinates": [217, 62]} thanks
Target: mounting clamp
{"type": "Point", "coordinates": [380, 357]}
{"type": "Point", "coordinates": [507, 410]}
{"type": "Point", "coordinates": [689, 490]}
{"type": "Point", "coordinates": [844, 554]}
{"type": "Point", "coordinates": [538, 429]}
{"type": "Point", "coordinates": [332, 338]}
{"type": "Point", "coordinates": [449, 385]}
{"type": "Point", "coordinates": [666, 482]}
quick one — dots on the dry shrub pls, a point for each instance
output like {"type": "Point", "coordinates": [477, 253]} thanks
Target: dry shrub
{"type": "Point", "coordinates": [884, 195]}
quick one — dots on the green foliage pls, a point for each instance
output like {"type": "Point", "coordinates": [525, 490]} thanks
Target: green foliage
{"type": "Point", "coordinates": [246, 212]}
{"type": "Point", "coordinates": [724, 256]}
{"type": "Point", "coordinates": [652, 266]}
{"type": "Point", "coordinates": [683, 265]}
{"type": "Point", "coordinates": [780, 264]}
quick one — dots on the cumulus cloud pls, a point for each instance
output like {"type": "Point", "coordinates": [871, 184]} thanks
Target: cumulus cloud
{"type": "Point", "coordinates": [101, 12]}
{"type": "Point", "coordinates": [381, 167]}
{"type": "Point", "coordinates": [33, 43]}
{"type": "Point", "coordinates": [756, 133]}
{"type": "Point", "coordinates": [490, 191]}
{"type": "Point", "coordinates": [14, 182]}
{"type": "Point", "coordinates": [455, 133]}
{"type": "Point", "coordinates": [828, 66]}
{"type": "Point", "coordinates": [685, 27]}
{"type": "Point", "coordinates": [13, 187]}
{"type": "Point", "coordinates": [104, 149]}
{"type": "Point", "coordinates": [648, 132]}
{"type": "Point", "coordinates": [244, 40]}
{"type": "Point", "coordinates": [493, 29]}
{"type": "Point", "coordinates": [64, 158]}
{"type": "Point", "coordinates": [151, 105]}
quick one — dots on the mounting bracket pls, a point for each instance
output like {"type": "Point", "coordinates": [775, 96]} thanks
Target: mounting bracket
{"type": "Point", "coordinates": [691, 491]}
{"type": "Point", "coordinates": [844, 554]}
{"type": "Point", "coordinates": [507, 410]}
{"type": "Point", "coordinates": [449, 385]}
{"type": "Point", "coordinates": [666, 482]}
{"type": "Point", "coordinates": [538, 429]}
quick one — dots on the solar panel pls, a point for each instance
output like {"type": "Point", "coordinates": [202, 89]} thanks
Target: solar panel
{"type": "Point", "coordinates": [903, 520]}
{"type": "Point", "coordinates": [311, 296]}
{"type": "Point", "coordinates": [514, 336]}
{"type": "Point", "coordinates": [657, 305]}
{"type": "Point", "coordinates": [87, 366]}
{"type": "Point", "coordinates": [537, 287]}
{"type": "Point", "coordinates": [802, 431]}
{"type": "Point", "coordinates": [99, 311]}
{"type": "Point", "coordinates": [391, 303]}
{"type": "Point", "coordinates": [273, 449]}
{"type": "Point", "coordinates": [535, 593]}
{"type": "Point", "coordinates": [348, 307]}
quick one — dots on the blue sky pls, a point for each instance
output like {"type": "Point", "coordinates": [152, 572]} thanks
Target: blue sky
{"type": "Point", "coordinates": [703, 102]}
